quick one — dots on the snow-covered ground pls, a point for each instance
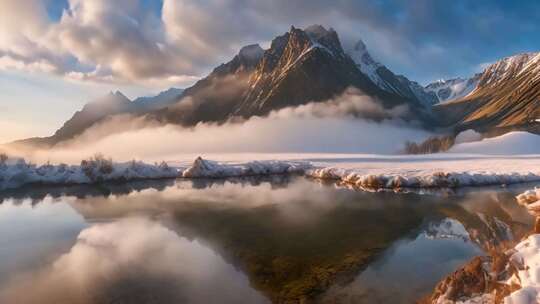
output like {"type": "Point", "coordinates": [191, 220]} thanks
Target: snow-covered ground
{"type": "Point", "coordinates": [212, 169]}
{"type": "Point", "coordinates": [509, 143]}
{"type": "Point", "coordinates": [436, 170]}
{"type": "Point", "coordinates": [531, 200]}
{"type": "Point", "coordinates": [526, 259]}
{"type": "Point", "coordinates": [364, 171]}
{"type": "Point", "coordinates": [15, 173]}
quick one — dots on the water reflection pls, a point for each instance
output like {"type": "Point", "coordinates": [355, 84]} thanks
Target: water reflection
{"type": "Point", "coordinates": [133, 260]}
{"type": "Point", "coordinates": [242, 241]}
{"type": "Point", "coordinates": [405, 271]}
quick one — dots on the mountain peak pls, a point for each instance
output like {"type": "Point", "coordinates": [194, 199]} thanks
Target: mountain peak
{"type": "Point", "coordinates": [360, 46]}
{"type": "Point", "coordinates": [361, 56]}
{"type": "Point", "coordinates": [118, 94]}
{"type": "Point", "coordinates": [112, 98]}
{"type": "Point", "coordinates": [386, 79]}
{"type": "Point", "coordinates": [251, 52]}
{"type": "Point", "coordinates": [317, 31]}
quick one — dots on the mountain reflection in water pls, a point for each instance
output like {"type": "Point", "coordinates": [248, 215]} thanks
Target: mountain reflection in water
{"type": "Point", "coordinates": [277, 239]}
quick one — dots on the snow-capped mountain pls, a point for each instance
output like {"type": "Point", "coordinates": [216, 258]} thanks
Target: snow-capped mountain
{"type": "Point", "coordinates": [387, 80]}
{"type": "Point", "coordinates": [507, 97]}
{"type": "Point", "coordinates": [454, 88]}
{"type": "Point", "coordinates": [110, 104]}
{"type": "Point", "coordinates": [310, 65]}
{"type": "Point", "coordinates": [114, 103]}
{"type": "Point", "coordinates": [301, 66]}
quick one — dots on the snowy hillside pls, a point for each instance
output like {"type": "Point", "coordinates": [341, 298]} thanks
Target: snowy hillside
{"type": "Point", "coordinates": [509, 143]}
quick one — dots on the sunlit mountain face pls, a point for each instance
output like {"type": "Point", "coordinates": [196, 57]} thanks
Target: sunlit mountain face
{"type": "Point", "coordinates": [182, 151]}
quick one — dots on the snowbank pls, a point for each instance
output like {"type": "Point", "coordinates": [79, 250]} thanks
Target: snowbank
{"type": "Point", "coordinates": [366, 172]}
{"type": "Point", "coordinates": [526, 259]}
{"type": "Point", "coordinates": [421, 179]}
{"type": "Point", "coordinates": [509, 143]}
{"type": "Point", "coordinates": [212, 169]}
{"type": "Point", "coordinates": [16, 172]}
{"type": "Point", "coordinates": [531, 200]}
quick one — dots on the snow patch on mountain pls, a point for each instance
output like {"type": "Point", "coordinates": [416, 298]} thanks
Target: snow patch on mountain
{"type": "Point", "coordinates": [510, 67]}
{"type": "Point", "coordinates": [451, 89]}
{"type": "Point", "coordinates": [385, 79]}
{"type": "Point", "coordinates": [496, 73]}
{"type": "Point", "coordinates": [368, 65]}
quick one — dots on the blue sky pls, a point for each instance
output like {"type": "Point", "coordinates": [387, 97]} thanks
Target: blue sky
{"type": "Point", "coordinates": [56, 55]}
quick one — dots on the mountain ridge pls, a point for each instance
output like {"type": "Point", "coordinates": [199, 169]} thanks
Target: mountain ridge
{"type": "Point", "coordinates": [310, 65]}
{"type": "Point", "coordinates": [507, 97]}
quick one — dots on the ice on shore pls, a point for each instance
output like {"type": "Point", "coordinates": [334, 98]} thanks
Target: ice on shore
{"type": "Point", "coordinates": [15, 173]}
{"type": "Point", "coordinates": [531, 200]}
{"type": "Point", "coordinates": [526, 259]}
{"type": "Point", "coordinates": [422, 179]}
{"type": "Point", "coordinates": [212, 169]}
{"type": "Point", "coordinates": [365, 172]}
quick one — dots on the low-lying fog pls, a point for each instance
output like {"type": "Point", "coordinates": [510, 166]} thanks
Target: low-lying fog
{"type": "Point", "coordinates": [335, 126]}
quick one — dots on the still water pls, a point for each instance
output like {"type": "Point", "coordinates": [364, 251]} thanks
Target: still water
{"type": "Point", "coordinates": [281, 240]}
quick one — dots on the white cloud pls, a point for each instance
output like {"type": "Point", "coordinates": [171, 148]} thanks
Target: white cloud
{"type": "Point", "coordinates": [100, 40]}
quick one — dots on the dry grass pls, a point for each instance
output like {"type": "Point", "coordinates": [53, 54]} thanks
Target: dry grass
{"type": "Point", "coordinates": [433, 144]}
{"type": "Point", "coordinates": [97, 165]}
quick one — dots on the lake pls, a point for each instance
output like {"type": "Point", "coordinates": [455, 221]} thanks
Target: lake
{"type": "Point", "coordinates": [267, 240]}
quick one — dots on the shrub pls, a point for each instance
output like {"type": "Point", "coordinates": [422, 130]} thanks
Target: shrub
{"type": "Point", "coordinates": [96, 166]}
{"type": "Point", "coordinates": [433, 144]}
{"type": "Point", "coordinates": [164, 166]}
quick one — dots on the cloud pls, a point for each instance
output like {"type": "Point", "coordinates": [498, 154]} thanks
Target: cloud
{"type": "Point", "coordinates": [336, 126]}
{"type": "Point", "coordinates": [125, 41]}
{"type": "Point", "coordinates": [104, 41]}
{"type": "Point", "coordinates": [132, 256]}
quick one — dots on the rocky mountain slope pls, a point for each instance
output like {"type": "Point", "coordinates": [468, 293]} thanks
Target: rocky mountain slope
{"type": "Point", "coordinates": [387, 80]}
{"type": "Point", "coordinates": [308, 65]}
{"type": "Point", "coordinates": [507, 97]}
{"type": "Point", "coordinates": [111, 104]}
{"type": "Point", "coordinates": [301, 66]}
